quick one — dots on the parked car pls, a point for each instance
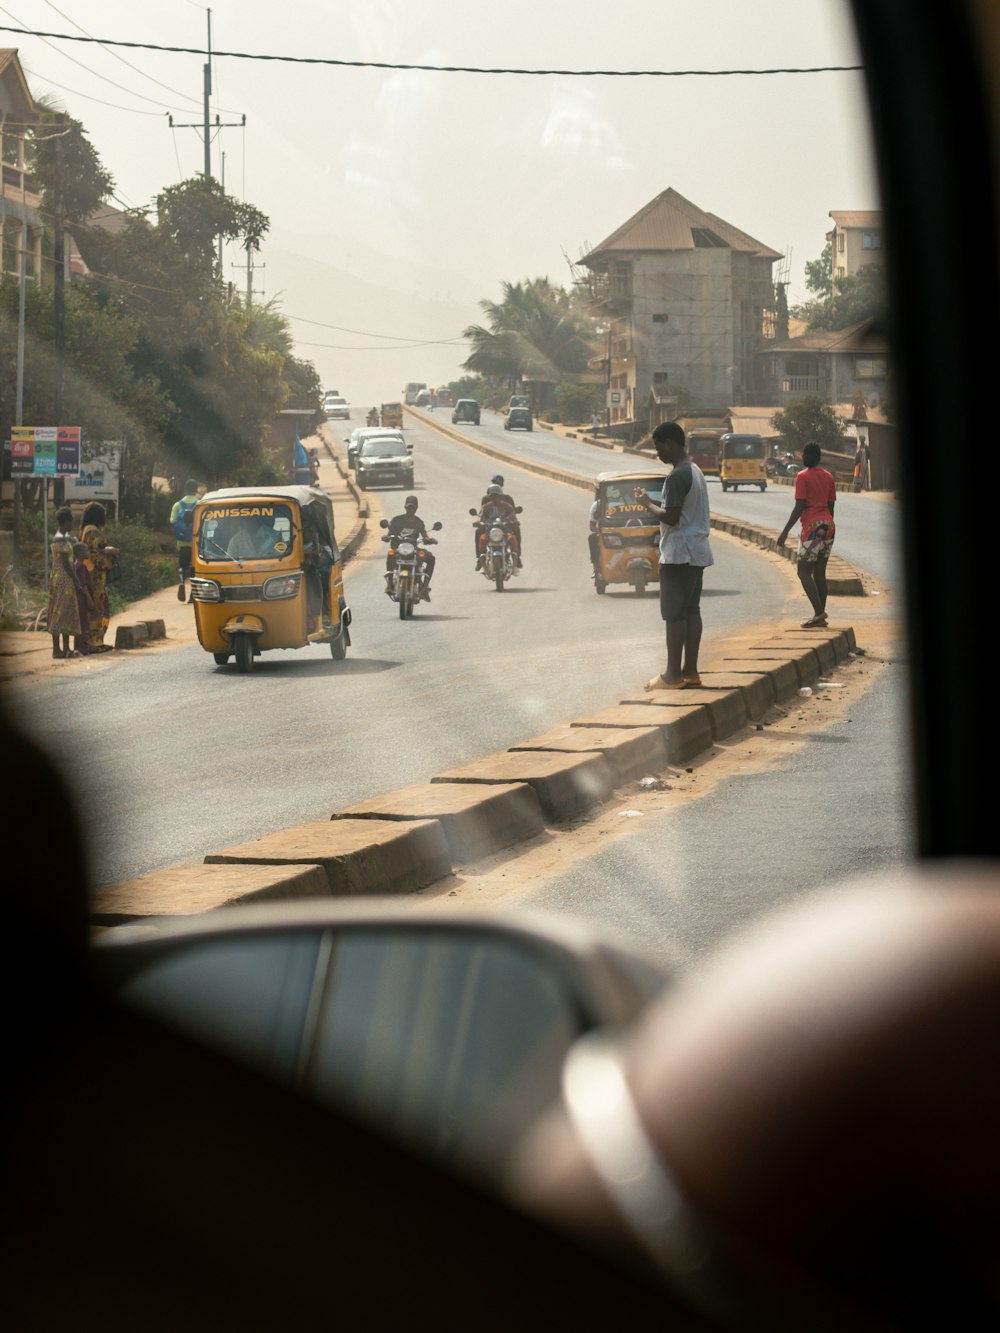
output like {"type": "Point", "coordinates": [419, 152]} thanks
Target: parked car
{"type": "Point", "coordinates": [518, 418]}
{"type": "Point", "coordinates": [385, 461]}
{"type": "Point", "coordinates": [337, 409]}
{"type": "Point", "coordinates": [466, 409]}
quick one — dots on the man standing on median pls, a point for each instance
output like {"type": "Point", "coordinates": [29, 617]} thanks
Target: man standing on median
{"type": "Point", "coordinates": [685, 554]}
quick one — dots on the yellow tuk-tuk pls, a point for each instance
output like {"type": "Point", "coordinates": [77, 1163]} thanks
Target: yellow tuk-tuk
{"type": "Point", "coordinates": [625, 538]}
{"type": "Point", "coordinates": [392, 415]}
{"type": "Point", "coordinates": [744, 462]}
{"type": "Point", "coordinates": [266, 573]}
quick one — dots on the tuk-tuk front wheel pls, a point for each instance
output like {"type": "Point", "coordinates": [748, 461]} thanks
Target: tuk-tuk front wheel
{"type": "Point", "coordinates": [243, 645]}
{"type": "Point", "coordinates": [338, 646]}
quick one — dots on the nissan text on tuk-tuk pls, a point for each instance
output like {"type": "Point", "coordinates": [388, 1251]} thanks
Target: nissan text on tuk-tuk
{"type": "Point", "coordinates": [627, 536]}
{"type": "Point", "coordinates": [744, 462]}
{"type": "Point", "coordinates": [266, 573]}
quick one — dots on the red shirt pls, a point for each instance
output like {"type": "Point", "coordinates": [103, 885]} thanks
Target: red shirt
{"type": "Point", "coordinates": [819, 490]}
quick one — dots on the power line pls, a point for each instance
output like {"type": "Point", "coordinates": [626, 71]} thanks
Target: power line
{"type": "Point", "coordinates": [115, 106]}
{"type": "Point", "coordinates": [438, 69]}
{"type": "Point", "coordinates": [122, 59]}
{"type": "Point", "coordinates": [364, 333]}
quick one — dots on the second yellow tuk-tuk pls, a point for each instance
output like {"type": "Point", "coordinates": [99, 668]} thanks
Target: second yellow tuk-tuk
{"type": "Point", "coordinates": [744, 462]}
{"type": "Point", "coordinates": [625, 537]}
{"type": "Point", "coordinates": [266, 573]}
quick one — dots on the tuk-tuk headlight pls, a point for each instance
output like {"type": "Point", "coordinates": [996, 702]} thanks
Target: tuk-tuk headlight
{"type": "Point", "coordinates": [612, 539]}
{"type": "Point", "coordinates": [205, 590]}
{"type": "Point", "coordinates": [286, 585]}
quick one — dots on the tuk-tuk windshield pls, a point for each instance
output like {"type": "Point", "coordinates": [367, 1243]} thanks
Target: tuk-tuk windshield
{"type": "Point", "coordinates": [259, 530]}
{"type": "Point", "coordinates": [621, 502]}
{"type": "Point", "coordinates": [743, 446]}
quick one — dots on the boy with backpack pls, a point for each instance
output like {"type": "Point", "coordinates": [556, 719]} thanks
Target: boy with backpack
{"type": "Point", "coordinates": [182, 522]}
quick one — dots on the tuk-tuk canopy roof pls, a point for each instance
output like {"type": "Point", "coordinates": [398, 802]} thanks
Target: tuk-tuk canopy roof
{"type": "Point", "coordinates": [603, 477]}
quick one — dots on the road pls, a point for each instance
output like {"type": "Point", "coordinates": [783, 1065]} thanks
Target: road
{"type": "Point", "coordinates": [173, 757]}
{"type": "Point", "coordinates": [867, 527]}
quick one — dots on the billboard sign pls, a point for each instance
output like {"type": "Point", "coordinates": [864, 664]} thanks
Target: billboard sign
{"type": "Point", "coordinates": [97, 478]}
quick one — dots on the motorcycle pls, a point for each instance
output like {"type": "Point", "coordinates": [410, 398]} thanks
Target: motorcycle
{"type": "Point", "coordinates": [373, 418]}
{"type": "Point", "coordinates": [496, 552]}
{"type": "Point", "coordinates": [407, 581]}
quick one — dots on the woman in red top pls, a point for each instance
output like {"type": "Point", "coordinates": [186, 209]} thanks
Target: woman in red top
{"type": "Point", "coordinates": [815, 496]}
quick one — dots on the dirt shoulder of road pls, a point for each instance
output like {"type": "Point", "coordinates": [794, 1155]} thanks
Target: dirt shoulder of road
{"type": "Point", "coordinates": [517, 875]}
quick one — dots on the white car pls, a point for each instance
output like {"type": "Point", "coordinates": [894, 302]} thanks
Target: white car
{"type": "Point", "coordinates": [358, 437]}
{"type": "Point", "coordinates": [337, 408]}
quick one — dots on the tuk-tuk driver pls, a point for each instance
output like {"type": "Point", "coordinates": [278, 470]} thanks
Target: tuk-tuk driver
{"type": "Point", "coordinates": [252, 543]}
{"type": "Point", "coordinates": [409, 527]}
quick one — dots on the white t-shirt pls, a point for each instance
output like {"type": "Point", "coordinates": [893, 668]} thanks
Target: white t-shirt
{"type": "Point", "coordinates": [686, 543]}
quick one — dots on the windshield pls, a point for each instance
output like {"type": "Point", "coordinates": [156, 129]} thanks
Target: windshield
{"type": "Point", "coordinates": [735, 281]}
{"type": "Point", "coordinates": [383, 449]}
{"type": "Point", "coordinates": [743, 448]}
{"type": "Point", "coordinates": [253, 531]}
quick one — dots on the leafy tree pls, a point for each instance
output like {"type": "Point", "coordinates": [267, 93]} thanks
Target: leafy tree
{"type": "Point", "coordinates": [841, 302]}
{"type": "Point", "coordinates": [67, 168]}
{"type": "Point", "coordinates": [810, 418]}
{"type": "Point", "coordinates": [195, 213]}
{"type": "Point", "coordinates": [576, 403]}
{"type": "Point", "coordinates": [819, 273]}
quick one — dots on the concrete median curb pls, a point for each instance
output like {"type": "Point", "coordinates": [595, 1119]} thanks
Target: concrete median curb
{"type": "Point", "coordinates": [191, 889]}
{"type": "Point", "coordinates": [566, 785]}
{"type": "Point", "coordinates": [376, 857]}
{"type": "Point", "coordinates": [476, 819]}
{"type": "Point", "coordinates": [406, 840]}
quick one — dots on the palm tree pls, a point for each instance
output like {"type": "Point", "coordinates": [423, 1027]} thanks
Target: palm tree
{"type": "Point", "coordinates": [536, 332]}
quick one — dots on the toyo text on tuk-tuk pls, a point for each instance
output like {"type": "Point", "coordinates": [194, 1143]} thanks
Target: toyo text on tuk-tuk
{"type": "Point", "coordinates": [267, 573]}
{"type": "Point", "coordinates": [624, 536]}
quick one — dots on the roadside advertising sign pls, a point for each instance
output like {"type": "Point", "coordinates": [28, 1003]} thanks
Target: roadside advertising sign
{"type": "Point", "coordinates": [42, 451]}
{"type": "Point", "coordinates": [98, 477]}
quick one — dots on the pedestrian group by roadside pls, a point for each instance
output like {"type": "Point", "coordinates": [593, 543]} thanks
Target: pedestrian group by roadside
{"type": "Point", "coordinates": [79, 607]}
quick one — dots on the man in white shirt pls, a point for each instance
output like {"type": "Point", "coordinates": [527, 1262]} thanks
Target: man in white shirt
{"type": "Point", "coordinates": [685, 554]}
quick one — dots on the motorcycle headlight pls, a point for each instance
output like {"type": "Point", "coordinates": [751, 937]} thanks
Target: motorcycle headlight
{"type": "Point", "coordinates": [286, 585]}
{"type": "Point", "coordinates": [405, 548]}
{"type": "Point", "coordinates": [205, 590]}
{"type": "Point", "coordinates": [496, 534]}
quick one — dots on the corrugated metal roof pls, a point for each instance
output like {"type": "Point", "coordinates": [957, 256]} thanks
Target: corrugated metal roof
{"type": "Point", "coordinates": [669, 222]}
{"type": "Point", "coordinates": [853, 219]}
{"type": "Point", "coordinates": [753, 421]}
{"type": "Point", "coordinates": [855, 338]}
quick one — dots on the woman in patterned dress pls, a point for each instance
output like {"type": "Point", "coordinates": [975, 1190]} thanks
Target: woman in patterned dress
{"type": "Point", "coordinates": [100, 559]}
{"type": "Point", "coordinates": [63, 614]}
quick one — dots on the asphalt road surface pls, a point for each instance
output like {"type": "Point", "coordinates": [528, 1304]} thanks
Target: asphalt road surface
{"type": "Point", "coordinates": [174, 757]}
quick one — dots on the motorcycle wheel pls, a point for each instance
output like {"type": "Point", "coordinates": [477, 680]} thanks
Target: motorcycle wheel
{"type": "Point", "coordinates": [498, 578]}
{"type": "Point", "coordinates": [244, 652]}
{"type": "Point", "coordinates": [405, 601]}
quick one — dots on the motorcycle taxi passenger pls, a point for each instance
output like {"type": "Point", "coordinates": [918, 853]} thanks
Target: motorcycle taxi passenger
{"type": "Point", "coordinates": [266, 573]}
{"type": "Point", "coordinates": [409, 527]}
{"type": "Point", "coordinates": [497, 507]}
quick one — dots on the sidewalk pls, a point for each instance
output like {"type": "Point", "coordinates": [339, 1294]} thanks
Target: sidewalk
{"type": "Point", "coordinates": [26, 654]}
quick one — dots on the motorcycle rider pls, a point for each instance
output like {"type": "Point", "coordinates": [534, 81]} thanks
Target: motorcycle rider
{"type": "Point", "coordinates": [497, 508]}
{"type": "Point", "coordinates": [513, 522]}
{"type": "Point", "coordinates": [408, 527]}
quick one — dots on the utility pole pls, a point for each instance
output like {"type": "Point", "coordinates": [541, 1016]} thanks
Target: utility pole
{"type": "Point", "coordinates": [206, 125]}
{"type": "Point", "coordinates": [22, 278]}
{"type": "Point", "coordinates": [252, 246]}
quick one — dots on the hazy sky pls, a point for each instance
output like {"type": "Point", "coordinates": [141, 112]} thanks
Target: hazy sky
{"type": "Point", "coordinates": [398, 199]}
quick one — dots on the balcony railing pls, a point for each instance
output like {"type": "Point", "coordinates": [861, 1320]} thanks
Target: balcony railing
{"type": "Point", "coordinates": [801, 384]}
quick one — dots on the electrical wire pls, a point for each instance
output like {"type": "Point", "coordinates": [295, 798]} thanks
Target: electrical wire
{"type": "Point", "coordinates": [127, 63]}
{"type": "Point", "coordinates": [437, 69]}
